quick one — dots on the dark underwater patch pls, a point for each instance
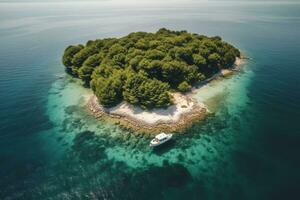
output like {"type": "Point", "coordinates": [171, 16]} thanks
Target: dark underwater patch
{"type": "Point", "coordinates": [71, 109]}
{"type": "Point", "coordinates": [253, 167]}
{"type": "Point", "coordinates": [89, 147]}
{"type": "Point", "coordinates": [152, 182]}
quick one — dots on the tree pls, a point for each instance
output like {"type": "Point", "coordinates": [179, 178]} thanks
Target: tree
{"type": "Point", "coordinates": [132, 83]}
{"type": "Point", "coordinates": [68, 56]}
{"type": "Point", "coordinates": [184, 87]}
{"type": "Point", "coordinates": [143, 64]}
{"type": "Point", "coordinates": [199, 60]}
{"type": "Point", "coordinates": [145, 92]}
{"type": "Point", "coordinates": [229, 59]}
{"type": "Point", "coordinates": [93, 61]}
{"type": "Point", "coordinates": [155, 54]}
{"type": "Point", "coordinates": [134, 62]}
{"type": "Point", "coordinates": [204, 52]}
{"type": "Point", "coordinates": [214, 60]}
{"type": "Point", "coordinates": [132, 53]}
{"type": "Point", "coordinates": [184, 54]}
{"type": "Point", "coordinates": [154, 94]}
{"type": "Point", "coordinates": [154, 69]}
{"type": "Point", "coordinates": [85, 73]}
{"type": "Point", "coordinates": [87, 68]}
{"type": "Point", "coordinates": [116, 49]}
{"type": "Point", "coordinates": [191, 74]}
{"type": "Point", "coordinates": [142, 44]}
{"type": "Point", "coordinates": [118, 60]}
{"type": "Point", "coordinates": [173, 72]}
{"type": "Point", "coordinates": [109, 90]}
{"type": "Point", "coordinates": [209, 44]}
{"type": "Point", "coordinates": [81, 56]}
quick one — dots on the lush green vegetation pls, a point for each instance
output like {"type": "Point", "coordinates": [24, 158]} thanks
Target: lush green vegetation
{"type": "Point", "coordinates": [141, 68]}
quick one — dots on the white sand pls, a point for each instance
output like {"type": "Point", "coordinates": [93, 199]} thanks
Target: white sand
{"type": "Point", "coordinates": [182, 104]}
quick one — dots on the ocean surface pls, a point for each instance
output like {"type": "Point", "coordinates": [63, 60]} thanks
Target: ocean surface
{"type": "Point", "coordinates": [247, 148]}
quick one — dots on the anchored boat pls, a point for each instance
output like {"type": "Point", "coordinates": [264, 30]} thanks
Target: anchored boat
{"type": "Point", "coordinates": [160, 139]}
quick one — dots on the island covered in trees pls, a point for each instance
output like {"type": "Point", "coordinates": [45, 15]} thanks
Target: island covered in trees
{"type": "Point", "coordinates": [143, 68]}
{"type": "Point", "coordinates": [142, 80]}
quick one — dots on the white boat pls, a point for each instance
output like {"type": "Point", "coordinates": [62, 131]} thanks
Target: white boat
{"type": "Point", "coordinates": [160, 139]}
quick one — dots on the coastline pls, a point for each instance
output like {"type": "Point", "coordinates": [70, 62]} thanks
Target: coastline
{"type": "Point", "coordinates": [185, 111]}
{"type": "Point", "coordinates": [173, 119]}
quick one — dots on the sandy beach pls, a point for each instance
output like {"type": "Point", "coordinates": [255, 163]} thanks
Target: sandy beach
{"type": "Point", "coordinates": [182, 104]}
{"type": "Point", "coordinates": [182, 113]}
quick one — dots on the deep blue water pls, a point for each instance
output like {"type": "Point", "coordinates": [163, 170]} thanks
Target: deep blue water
{"type": "Point", "coordinates": [251, 153]}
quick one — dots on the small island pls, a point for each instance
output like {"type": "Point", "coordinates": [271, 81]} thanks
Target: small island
{"type": "Point", "coordinates": [143, 80]}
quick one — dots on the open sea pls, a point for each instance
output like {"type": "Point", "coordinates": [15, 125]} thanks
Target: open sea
{"type": "Point", "coordinates": [247, 148]}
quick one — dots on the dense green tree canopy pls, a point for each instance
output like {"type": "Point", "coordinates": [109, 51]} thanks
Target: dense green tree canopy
{"type": "Point", "coordinates": [184, 87]}
{"type": "Point", "coordinates": [146, 92]}
{"type": "Point", "coordinates": [141, 68]}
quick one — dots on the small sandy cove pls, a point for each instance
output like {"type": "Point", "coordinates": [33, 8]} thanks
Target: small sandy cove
{"type": "Point", "coordinates": [184, 110]}
{"type": "Point", "coordinates": [182, 105]}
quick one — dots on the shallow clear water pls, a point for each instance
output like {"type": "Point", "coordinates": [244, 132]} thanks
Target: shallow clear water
{"type": "Point", "coordinates": [247, 148]}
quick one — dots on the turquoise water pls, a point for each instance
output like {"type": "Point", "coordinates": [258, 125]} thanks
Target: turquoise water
{"type": "Point", "coordinates": [247, 148]}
